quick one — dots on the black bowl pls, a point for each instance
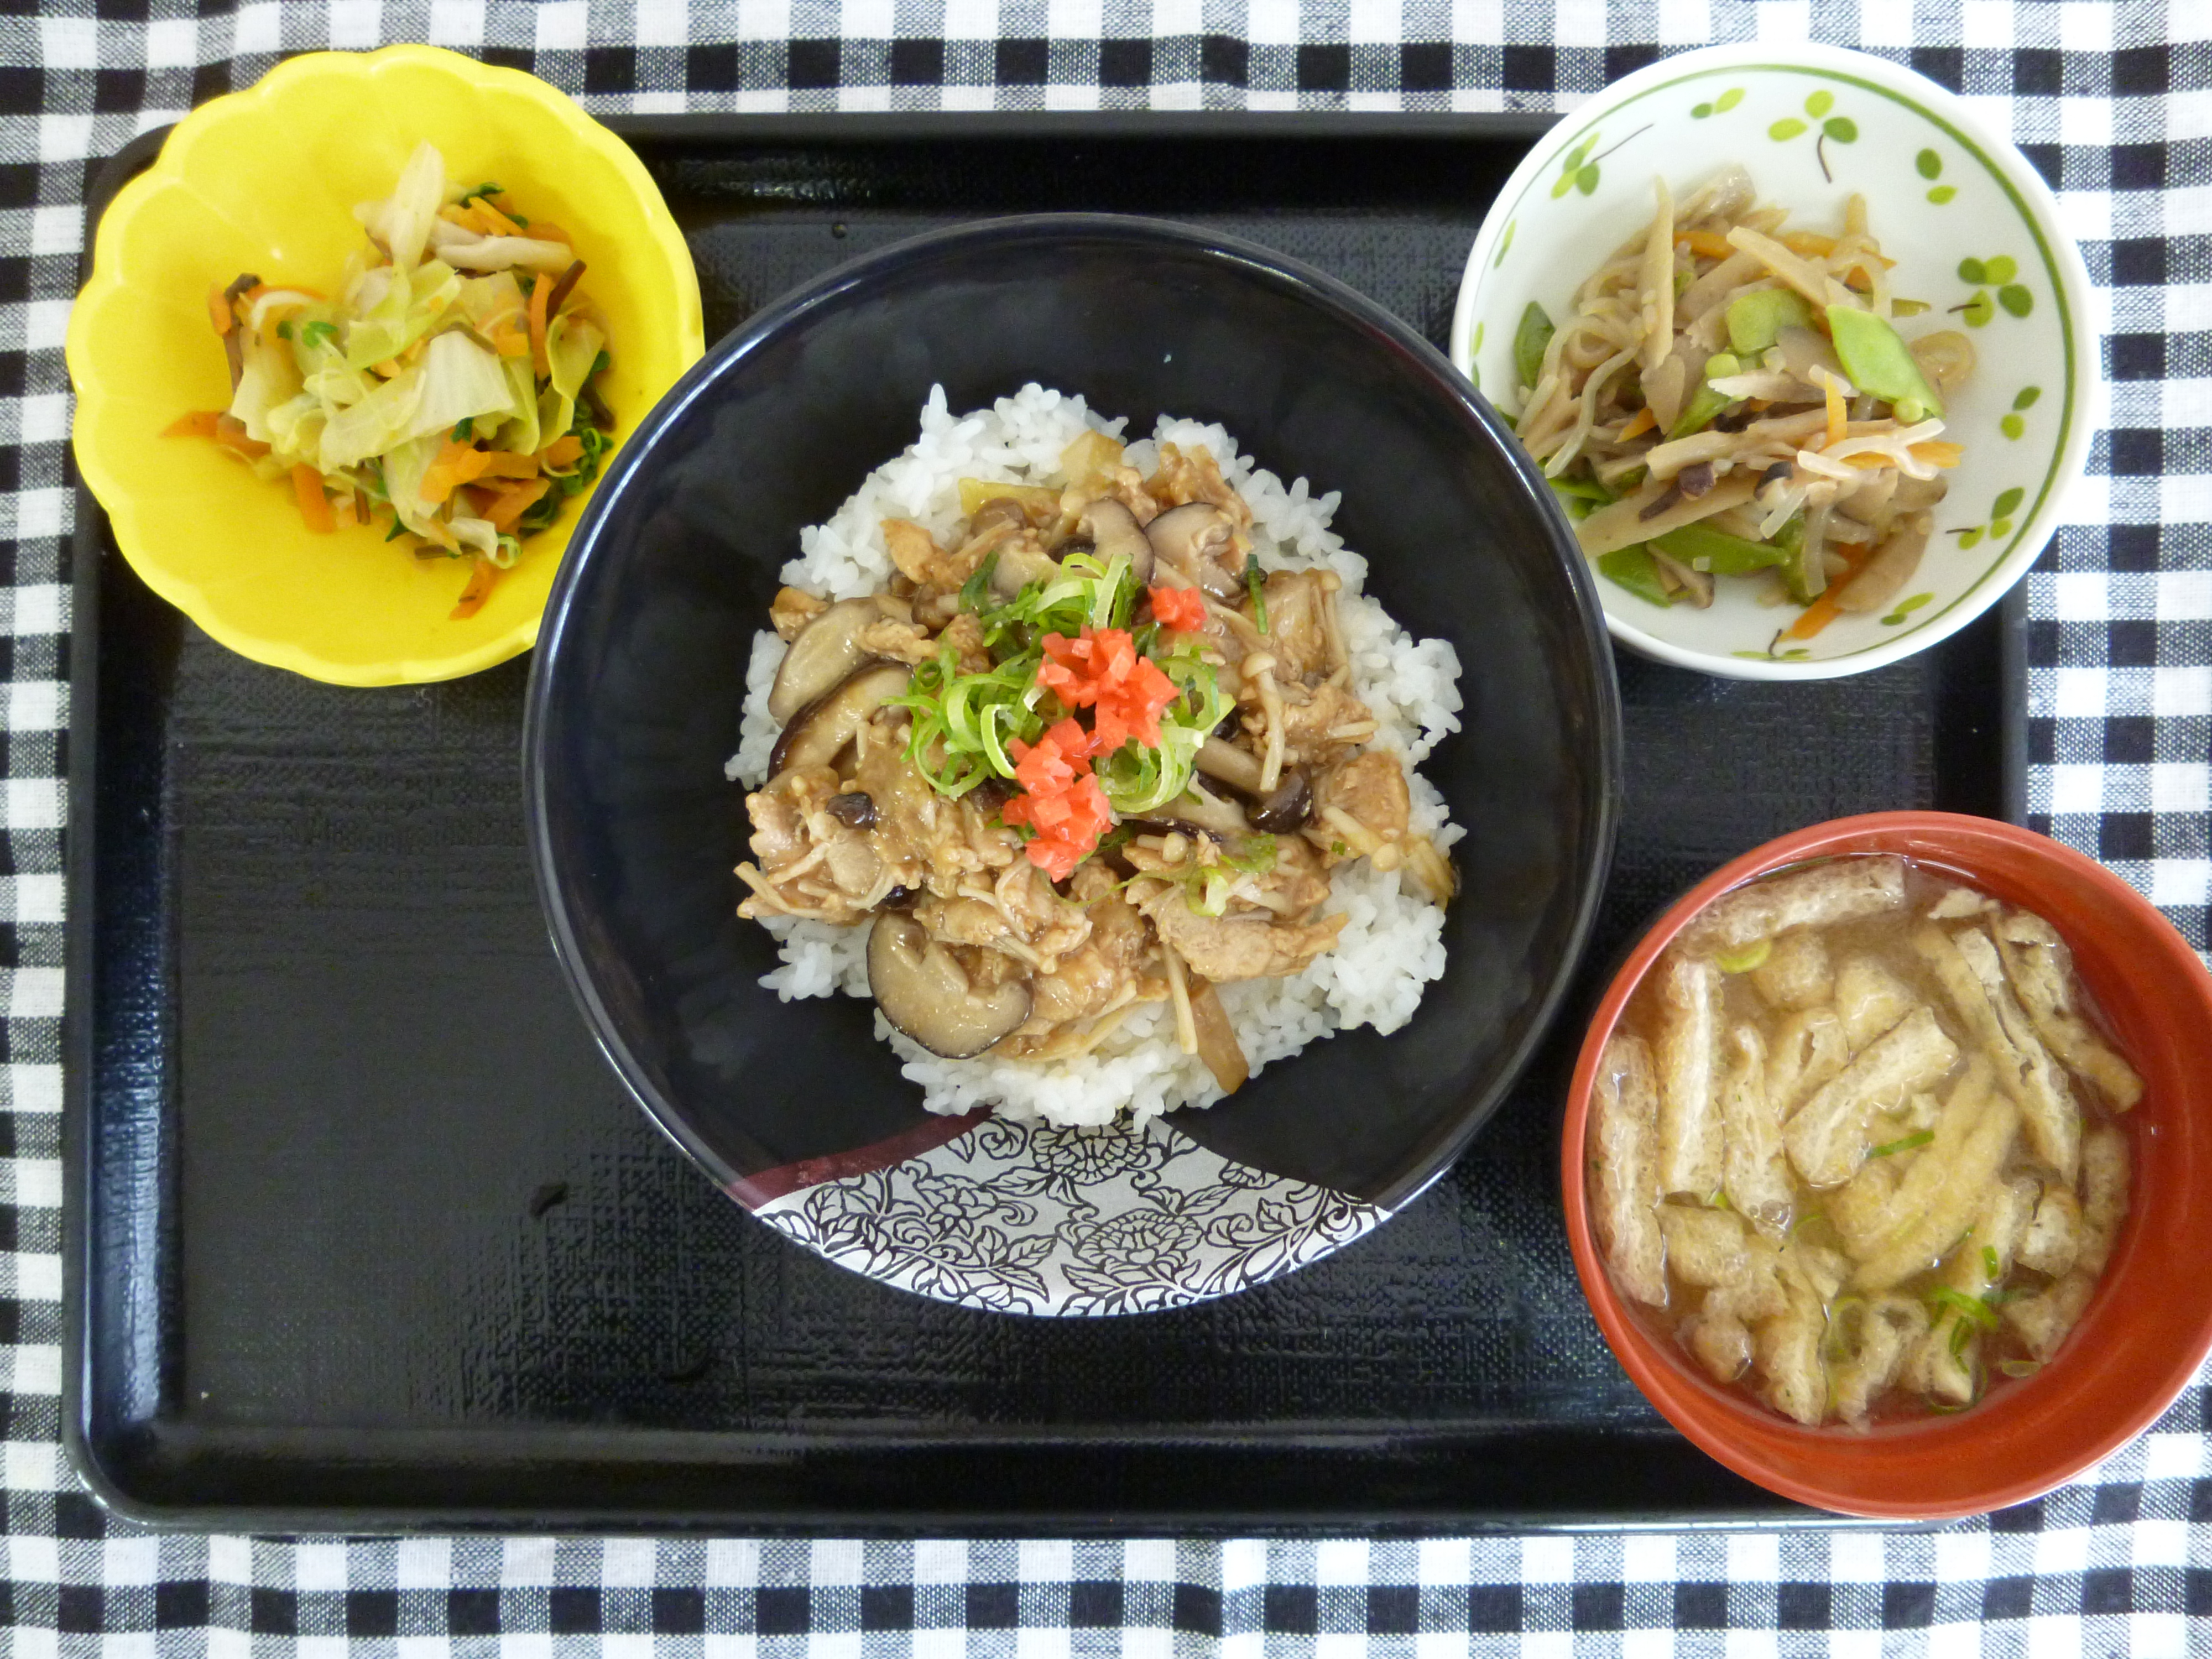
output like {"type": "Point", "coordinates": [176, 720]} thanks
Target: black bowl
{"type": "Point", "coordinates": [637, 687]}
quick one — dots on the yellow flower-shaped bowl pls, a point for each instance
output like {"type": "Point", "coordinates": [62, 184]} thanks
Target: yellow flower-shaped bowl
{"type": "Point", "coordinates": [266, 181]}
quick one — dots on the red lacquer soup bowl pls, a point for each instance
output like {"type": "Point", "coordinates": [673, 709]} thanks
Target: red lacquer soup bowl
{"type": "Point", "coordinates": [2148, 1326]}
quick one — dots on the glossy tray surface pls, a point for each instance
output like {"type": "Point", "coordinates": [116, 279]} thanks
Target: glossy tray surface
{"type": "Point", "coordinates": [366, 1235]}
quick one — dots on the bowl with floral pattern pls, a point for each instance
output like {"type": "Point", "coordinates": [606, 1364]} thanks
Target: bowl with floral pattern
{"type": "Point", "coordinates": [1974, 235]}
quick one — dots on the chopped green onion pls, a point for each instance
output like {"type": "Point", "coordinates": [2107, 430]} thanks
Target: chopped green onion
{"type": "Point", "coordinates": [1966, 1307]}
{"type": "Point", "coordinates": [972, 591]}
{"type": "Point", "coordinates": [1991, 1270]}
{"type": "Point", "coordinates": [1256, 585]}
{"type": "Point", "coordinates": [1744, 961]}
{"type": "Point", "coordinates": [1889, 1148]}
{"type": "Point", "coordinates": [464, 430]}
{"type": "Point", "coordinates": [284, 330]}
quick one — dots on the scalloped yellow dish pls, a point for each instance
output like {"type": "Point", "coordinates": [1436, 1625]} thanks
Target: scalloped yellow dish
{"type": "Point", "coordinates": [266, 180]}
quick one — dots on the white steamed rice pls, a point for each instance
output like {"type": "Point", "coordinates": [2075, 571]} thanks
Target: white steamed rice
{"type": "Point", "coordinates": [1392, 946]}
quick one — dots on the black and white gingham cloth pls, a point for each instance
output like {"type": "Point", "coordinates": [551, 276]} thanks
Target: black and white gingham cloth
{"type": "Point", "coordinates": [2112, 101]}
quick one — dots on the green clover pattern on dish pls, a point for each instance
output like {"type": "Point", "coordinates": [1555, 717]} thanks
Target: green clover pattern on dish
{"type": "Point", "coordinates": [1577, 171]}
{"type": "Point", "coordinates": [2000, 524]}
{"type": "Point", "coordinates": [1982, 276]}
{"type": "Point", "coordinates": [1929, 165]}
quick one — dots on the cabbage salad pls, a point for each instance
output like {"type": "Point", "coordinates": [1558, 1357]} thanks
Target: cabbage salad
{"type": "Point", "coordinates": [443, 390]}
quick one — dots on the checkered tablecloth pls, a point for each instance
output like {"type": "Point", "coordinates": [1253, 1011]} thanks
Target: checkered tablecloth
{"type": "Point", "coordinates": [2112, 102]}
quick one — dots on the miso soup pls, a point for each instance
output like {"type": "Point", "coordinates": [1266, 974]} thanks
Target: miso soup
{"type": "Point", "coordinates": [1856, 1144]}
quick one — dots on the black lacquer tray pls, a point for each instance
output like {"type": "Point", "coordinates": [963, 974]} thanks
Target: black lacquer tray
{"type": "Point", "coordinates": [364, 1234]}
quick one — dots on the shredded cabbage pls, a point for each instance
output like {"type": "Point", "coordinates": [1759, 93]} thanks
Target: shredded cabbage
{"type": "Point", "coordinates": [430, 387]}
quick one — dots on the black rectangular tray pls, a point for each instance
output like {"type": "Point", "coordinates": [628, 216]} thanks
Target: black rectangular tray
{"type": "Point", "coordinates": [364, 1236]}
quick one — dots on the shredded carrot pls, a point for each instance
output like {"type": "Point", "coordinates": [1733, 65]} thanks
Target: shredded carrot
{"type": "Point", "coordinates": [1937, 452]}
{"type": "Point", "coordinates": [1868, 459]}
{"type": "Point", "coordinates": [230, 432]}
{"type": "Point", "coordinates": [510, 342]}
{"type": "Point", "coordinates": [541, 291]}
{"type": "Point", "coordinates": [456, 464]}
{"type": "Point", "coordinates": [564, 451]}
{"type": "Point", "coordinates": [1824, 609]}
{"type": "Point", "coordinates": [506, 464]}
{"type": "Point", "coordinates": [1643, 421]}
{"type": "Point", "coordinates": [314, 506]}
{"type": "Point", "coordinates": [544, 230]}
{"type": "Point", "coordinates": [1811, 244]}
{"type": "Point", "coordinates": [219, 311]}
{"type": "Point", "coordinates": [1182, 608]}
{"type": "Point", "coordinates": [1832, 391]}
{"type": "Point", "coordinates": [200, 423]}
{"type": "Point", "coordinates": [509, 505]}
{"type": "Point", "coordinates": [389, 368]}
{"type": "Point", "coordinates": [1711, 244]}
{"type": "Point", "coordinates": [495, 222]}
{"type": "Point", "coordinates": [478, 591]}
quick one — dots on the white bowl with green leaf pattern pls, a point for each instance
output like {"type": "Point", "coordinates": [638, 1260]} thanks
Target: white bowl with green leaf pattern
{"type": "Point", "coordinates": [1975, 234]}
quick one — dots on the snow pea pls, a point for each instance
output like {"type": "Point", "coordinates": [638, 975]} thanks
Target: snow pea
{"type": "Point", "coordinates": [1878, 361]}
{"type": "Point", "coordinates": [1756, 321]}
{"type": "Point", "coordinates": [1530, 340]}
{"type": "Point", "coordinates": [1635, 569]}
{"type": "Point", "coordinates": [1697, 414]}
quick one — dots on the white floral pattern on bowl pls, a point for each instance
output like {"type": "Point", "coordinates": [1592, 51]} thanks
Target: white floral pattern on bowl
{"type": "Point", "coordinates": [1974, 232]}
{"type": "Point", "coordinates": [1018, 1217]}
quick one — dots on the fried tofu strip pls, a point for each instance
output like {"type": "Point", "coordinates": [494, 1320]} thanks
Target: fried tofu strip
{"type": "Point", "coordinates": [1787, 1348]}
{"type": "Point", "coordinates": [1870, 1000]}
{"type": "Point", "coordinates": [1827, 893]}
{"type": "Point", "coordinates": [1795, 974]}
{"type": "Point", "coordinates": [1705, 1246]}
{"type": "Point", "coordinates": [1919, 1243]}
{"type": "Point", "coordinates": [1808, 1049]}
{"type": "Point", "coordinates": [1875, 1341]}
{"type": "Point", "coordinates": [1958, 901]}
{"type": "Point", "coordinates": [1719, 1332]}
{"type": "Point", "coordinates": [1752, 1172]}
{"type": "Point", "coordinates": [1943, 1362]}
{"type": "Point", "coordinates": [1689, 1080]}
{"type": "Point", "coordinates": [1964, 963]}
{"type": "Point", "coordinates": [2054, 1237]}
{"type": "Point", "coordinates": [1827, 1135]}
{"type": "Point", "coordinates": [2042, 973]}
{"type": "Point", "coordinates": [2043, 1320]}
{"type": "Point", "coordinates": [2052, 1118]}
{"type": "Point", "coordinates": [1890, 1192]}
{"type": "Point", "coordinates": [1624, 1178]}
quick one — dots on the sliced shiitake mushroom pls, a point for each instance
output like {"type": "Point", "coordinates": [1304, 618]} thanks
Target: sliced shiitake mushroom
{"type": "Point", "coordinates": [1198, 539]}
{"type": "Point", "coordinates": [1115, 533]}
{"type": "Point", "coordinates": [924, 992]}
{"type": "Point", "coordinates": [818, 733]}
{"type": "Point", "coordinates": [827, 650]}
{"type": "Point", "coordinates": [1287, 806]}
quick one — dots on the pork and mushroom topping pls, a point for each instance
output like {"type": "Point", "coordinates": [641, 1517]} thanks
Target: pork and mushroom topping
{"type": "Point", "coordinates": [1079, 756]}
